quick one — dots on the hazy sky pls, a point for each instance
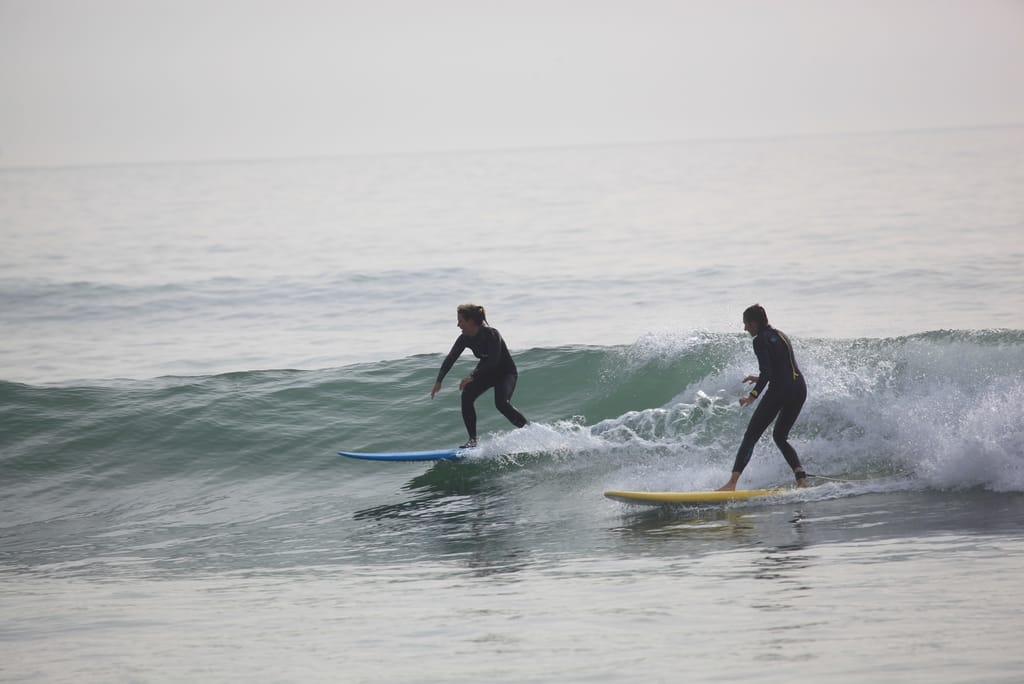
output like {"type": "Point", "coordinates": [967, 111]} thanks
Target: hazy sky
{"type": "Point", "coordinates": [93, 81]}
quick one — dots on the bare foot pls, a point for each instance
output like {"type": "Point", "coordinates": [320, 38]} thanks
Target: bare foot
{"type": "Point", "coordinates": [801, 480]}
{"type": "Point", "coordinates": [730, 486]}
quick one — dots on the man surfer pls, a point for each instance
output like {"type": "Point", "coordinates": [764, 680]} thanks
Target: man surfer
{"type": "Point", "coordinates": [496, 368]}
{"type": "Point", "coordinates": [784, 398]}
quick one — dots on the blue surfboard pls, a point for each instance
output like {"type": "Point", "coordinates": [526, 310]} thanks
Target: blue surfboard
{"type": "Point", "coordinates": [437, 455]}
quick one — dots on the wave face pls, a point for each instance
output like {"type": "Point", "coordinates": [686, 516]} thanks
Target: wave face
{"type": "Point", "coordinates": [940, 408]}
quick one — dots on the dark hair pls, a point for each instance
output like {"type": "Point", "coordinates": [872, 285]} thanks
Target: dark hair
{"type": "Point", "coordinates": [757, 314]}
{"type": "Point", "coordinates": [473, 312]}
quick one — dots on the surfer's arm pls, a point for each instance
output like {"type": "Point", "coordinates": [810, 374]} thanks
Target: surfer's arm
{"type": "Point", "coordinates": [748, 400]}
{"type": "Point", "coordinates": [449, 361]}
{"type": "Point", "coordinates": [764, 364]}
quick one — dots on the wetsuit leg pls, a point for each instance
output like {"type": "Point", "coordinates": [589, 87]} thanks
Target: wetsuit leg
{"type": "Point", "coordinates": [503, 399]}
{"type": "Point", "coordinates": [764, 414]}
{"type": "Point", "coordinates": [794, 402]}
{"type": "Point", "coordinates": [469, 395]}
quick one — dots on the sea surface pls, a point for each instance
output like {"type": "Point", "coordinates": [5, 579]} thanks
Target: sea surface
{"type": "Point", "coordinates": [187, 346]}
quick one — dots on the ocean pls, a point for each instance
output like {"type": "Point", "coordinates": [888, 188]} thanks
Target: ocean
{"type": "Point", "coordinates": [186, 347]}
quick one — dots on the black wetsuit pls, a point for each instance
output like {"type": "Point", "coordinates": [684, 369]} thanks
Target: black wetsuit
{"type": "Point", "coordinates": [785, 397]}
{"type": "Point", "coordinates": [496, 369]}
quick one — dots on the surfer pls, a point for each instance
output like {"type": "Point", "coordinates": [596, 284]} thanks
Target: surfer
{"type": "Point", "coordinates": [783, 400]}
{"type": "Point", "coordinates": [496, 368]}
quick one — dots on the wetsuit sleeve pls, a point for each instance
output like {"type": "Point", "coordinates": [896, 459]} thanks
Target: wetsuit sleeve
{"type": "Point", "coordinates": [764, 364]}
{"type": "Point", "coordinates": [491, 361]}
{"type": "Point", "coordinates": [453, 356]}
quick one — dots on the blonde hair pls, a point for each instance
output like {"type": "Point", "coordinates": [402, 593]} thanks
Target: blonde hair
{"type": "Point", "coordinates": [473, 312]}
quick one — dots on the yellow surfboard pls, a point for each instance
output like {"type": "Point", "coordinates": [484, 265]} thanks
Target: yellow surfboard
{"type": "Point", "coordinates": [661, 498]}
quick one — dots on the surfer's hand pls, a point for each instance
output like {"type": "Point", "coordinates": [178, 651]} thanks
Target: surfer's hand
{"type": "Point", "coordinates": [465, 381]}
{"type": "Point", "coordinates": [746, 401]}
{"type": "Point", "coordinates": [751, 378]}
{"type": "Point", "coordinates": [437, 388]}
